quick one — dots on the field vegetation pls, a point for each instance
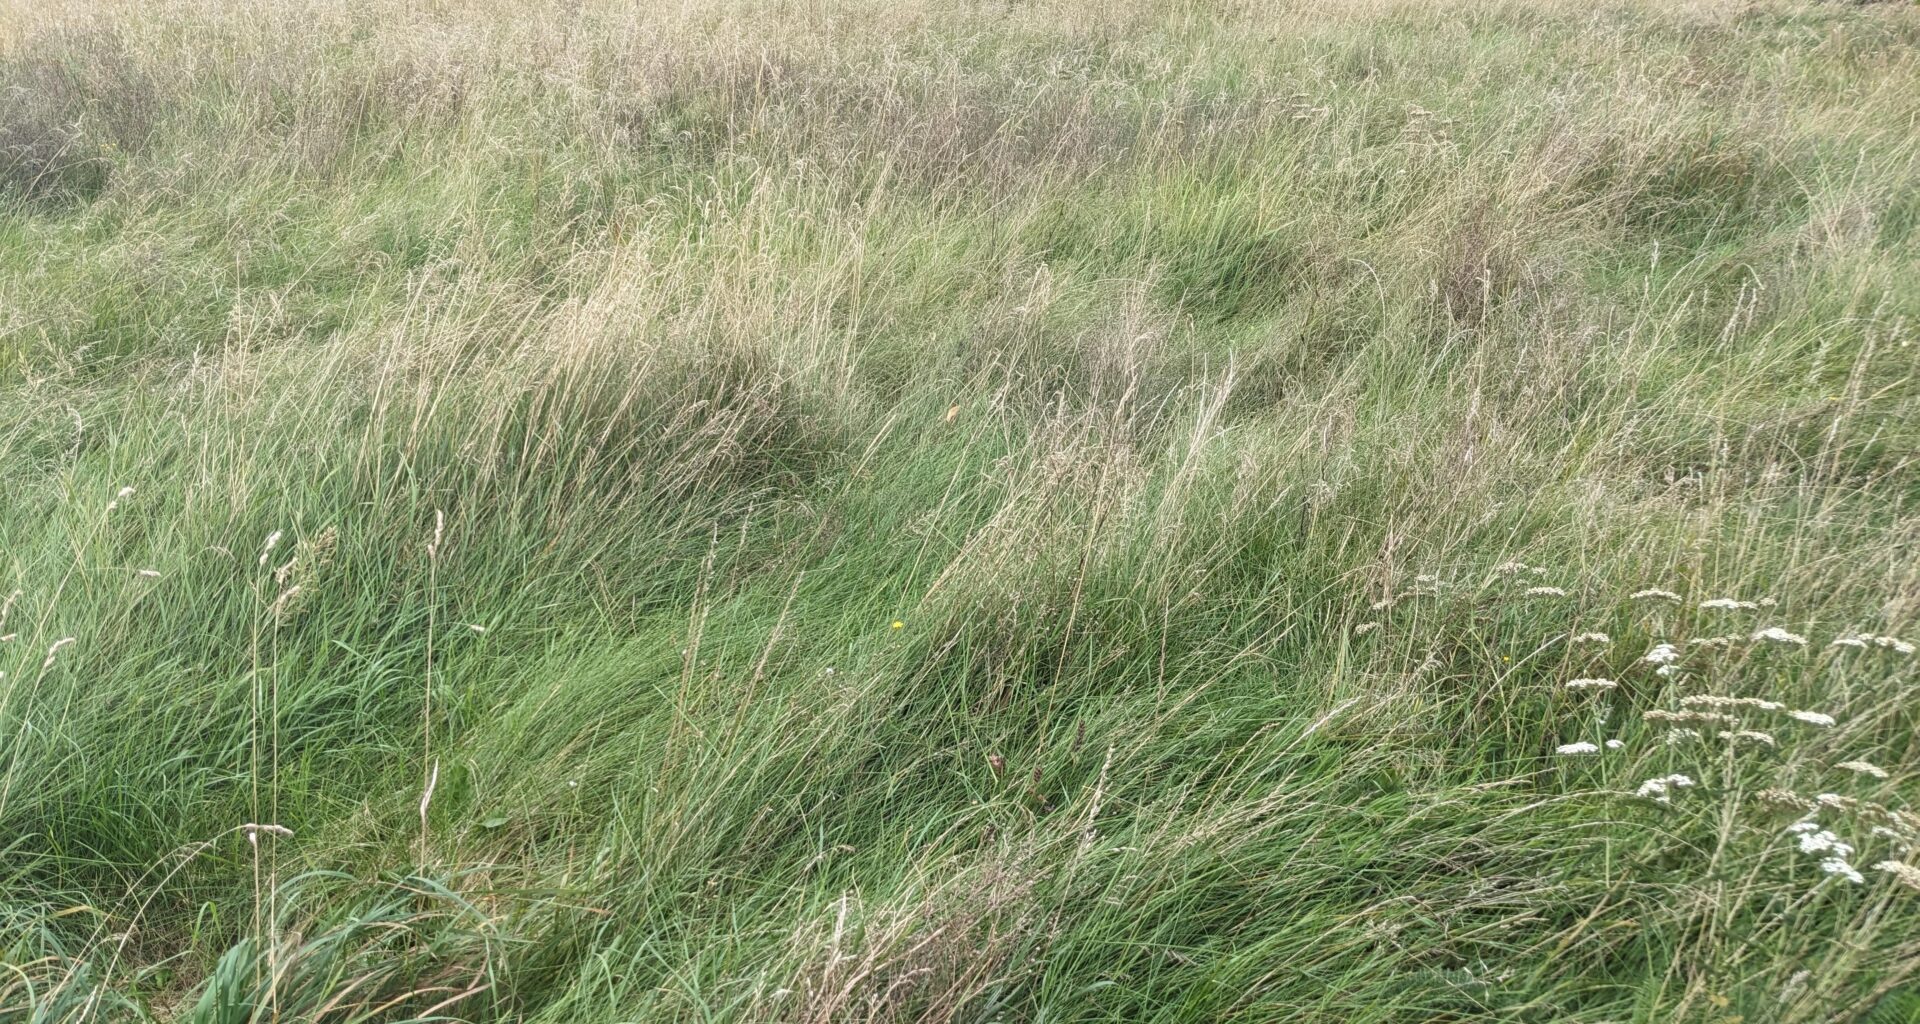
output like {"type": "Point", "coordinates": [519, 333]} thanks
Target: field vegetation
{"type": "Point", "coordinates": [1029, 511]}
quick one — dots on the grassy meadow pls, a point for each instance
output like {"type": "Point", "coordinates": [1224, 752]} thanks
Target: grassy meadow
{"type": "Point", "coordinates": [1027, 511]}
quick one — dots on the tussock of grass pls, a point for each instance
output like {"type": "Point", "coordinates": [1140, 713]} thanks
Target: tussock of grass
{"type": "Point", "coordinates": [928, 512]}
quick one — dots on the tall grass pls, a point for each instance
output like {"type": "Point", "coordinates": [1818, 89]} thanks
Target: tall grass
{"type": "Point", "coordinates": [849, 511]}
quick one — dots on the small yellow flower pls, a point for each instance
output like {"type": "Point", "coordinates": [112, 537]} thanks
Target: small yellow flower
{"type": "Point", "coordinates": [897, 624]}
{"type": "Point", "coordinates": [1504, 657]}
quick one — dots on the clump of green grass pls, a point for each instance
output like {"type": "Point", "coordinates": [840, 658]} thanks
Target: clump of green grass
{"type": "Point", "coordinates": [930, 513]}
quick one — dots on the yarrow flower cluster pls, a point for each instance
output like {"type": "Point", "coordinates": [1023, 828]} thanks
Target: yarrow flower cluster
{"type": "Point", "coordinates": [1835, 851]}
{"type": "Point", "coordinates": [1812, 717]}
{"type": "Point", "coordinates": [1545, 592]}
{"type": "Point", "coordinates": [1576, 748]}
{"type": "Point", "coordinates": [1748, 734]}
{"type": "Point", "coordinates": [1891, 643]}
{"type": "Point", "coordinates": [1728, 604]}
{"type": "Point", "coordinates": [1592, 638]}
{"type": "Point", "coordinates": [1654, 593]}
{"type": "Point", "coordinates": [1591, 684]}
{"type": "Point", "coordinates": [1660, 790]}
{"type": "Point", "coordinates": [1662, 654]}
{"type": "Point", "coordinates": [1775, 634]}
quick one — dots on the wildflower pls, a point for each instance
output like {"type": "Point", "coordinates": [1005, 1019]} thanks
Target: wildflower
{"type": "Point", "coordinates": [1681, 735]}
{"type": "Point", "coordinates": [1662, 654]}
{"type": "Point", "coordinates": [1545, 592]}
{"type": "Point", "coordinates": [149, 573]}
{"type": "Point", "coordinates": [1906, 874]}
{"type": "Point", "coordinates": [1427, 579]}
{"type": "Point", "coordinates": [1748, 734]}
{"type": "Point", "coordinates": [1781, 636]}
{"type": "Point", "coordinates": [1812, 717]}
{"type": "Point", "coordinates": [1819, 840]}
{"type": "Point", "coordinates": [1655, 593]}
{"type": "Point", "coordinates": [1615, 744]}
{"type": "Point", "coordinates": [829, 670]}
{"type": "Point", "coordinates": [476, 627]}
{"type": "Point", "coordinates": [1905, 842]}
{"type": "Point", "coordinates": [1862, 640]}
{"type": "Point", "coordinates": [55, 649]}
{"type": "Point", "coordinates": [1727, 604]}
{"type": "Point", "coordinates": [1717, 642]}
{"type": "Point", "coordinates": [1864, 768]}
{"type": "Point", "coordinates": [1660, 790]}
{"type": "Point", "coordinates": [1576, 748]}
{"type": "Point", "coordinates": [1509, 568]}
{"type": "Point", "coordinates": [1361, 630]}
{"type": "Point", "coordinates": [897, 624]}
{"type": "Point", "coordinates": [1593, 638]}
{"type": "Point", "coordinates": [273, 541]}
{"type": "Point", "coordinates": [1383, 604]}
{"type": "Point", "coordinates": [1667, 671]}
{"type": "Point", "coordinates": [1839, 866]}
{"type": "Point", "coordinates": [1591, 684]}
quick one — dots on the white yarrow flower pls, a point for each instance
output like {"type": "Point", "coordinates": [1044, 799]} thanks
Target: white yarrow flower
{"type": "Point", "coordinates": [1890, 643]}
{"type": "Point", "coordinates": [1576, 748]}
{"type": "Point", "coordinates": [1545, 592]}
{"type": "Point", "coordinates": [1727, 604]}
{"type": "Point", "coordinates": [1656, 593]}
{"type": "Point", "coordinates": [1662, 654]}
{"type": "Point", "coordinates": [1839, 866]}
{"type": "Point", "coordinates": [1781, 636]}
{"type": "Point", "coordinates": [1822, 841]}
{"type": "Point", "coordinates": [1593, 638]}
{"type": "Point", "coordinates": [1591, 684]}
{"type": "Point", "coordinates": [1661, 789]}
{"type": "Point", "coordinates": [1812, 717]}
